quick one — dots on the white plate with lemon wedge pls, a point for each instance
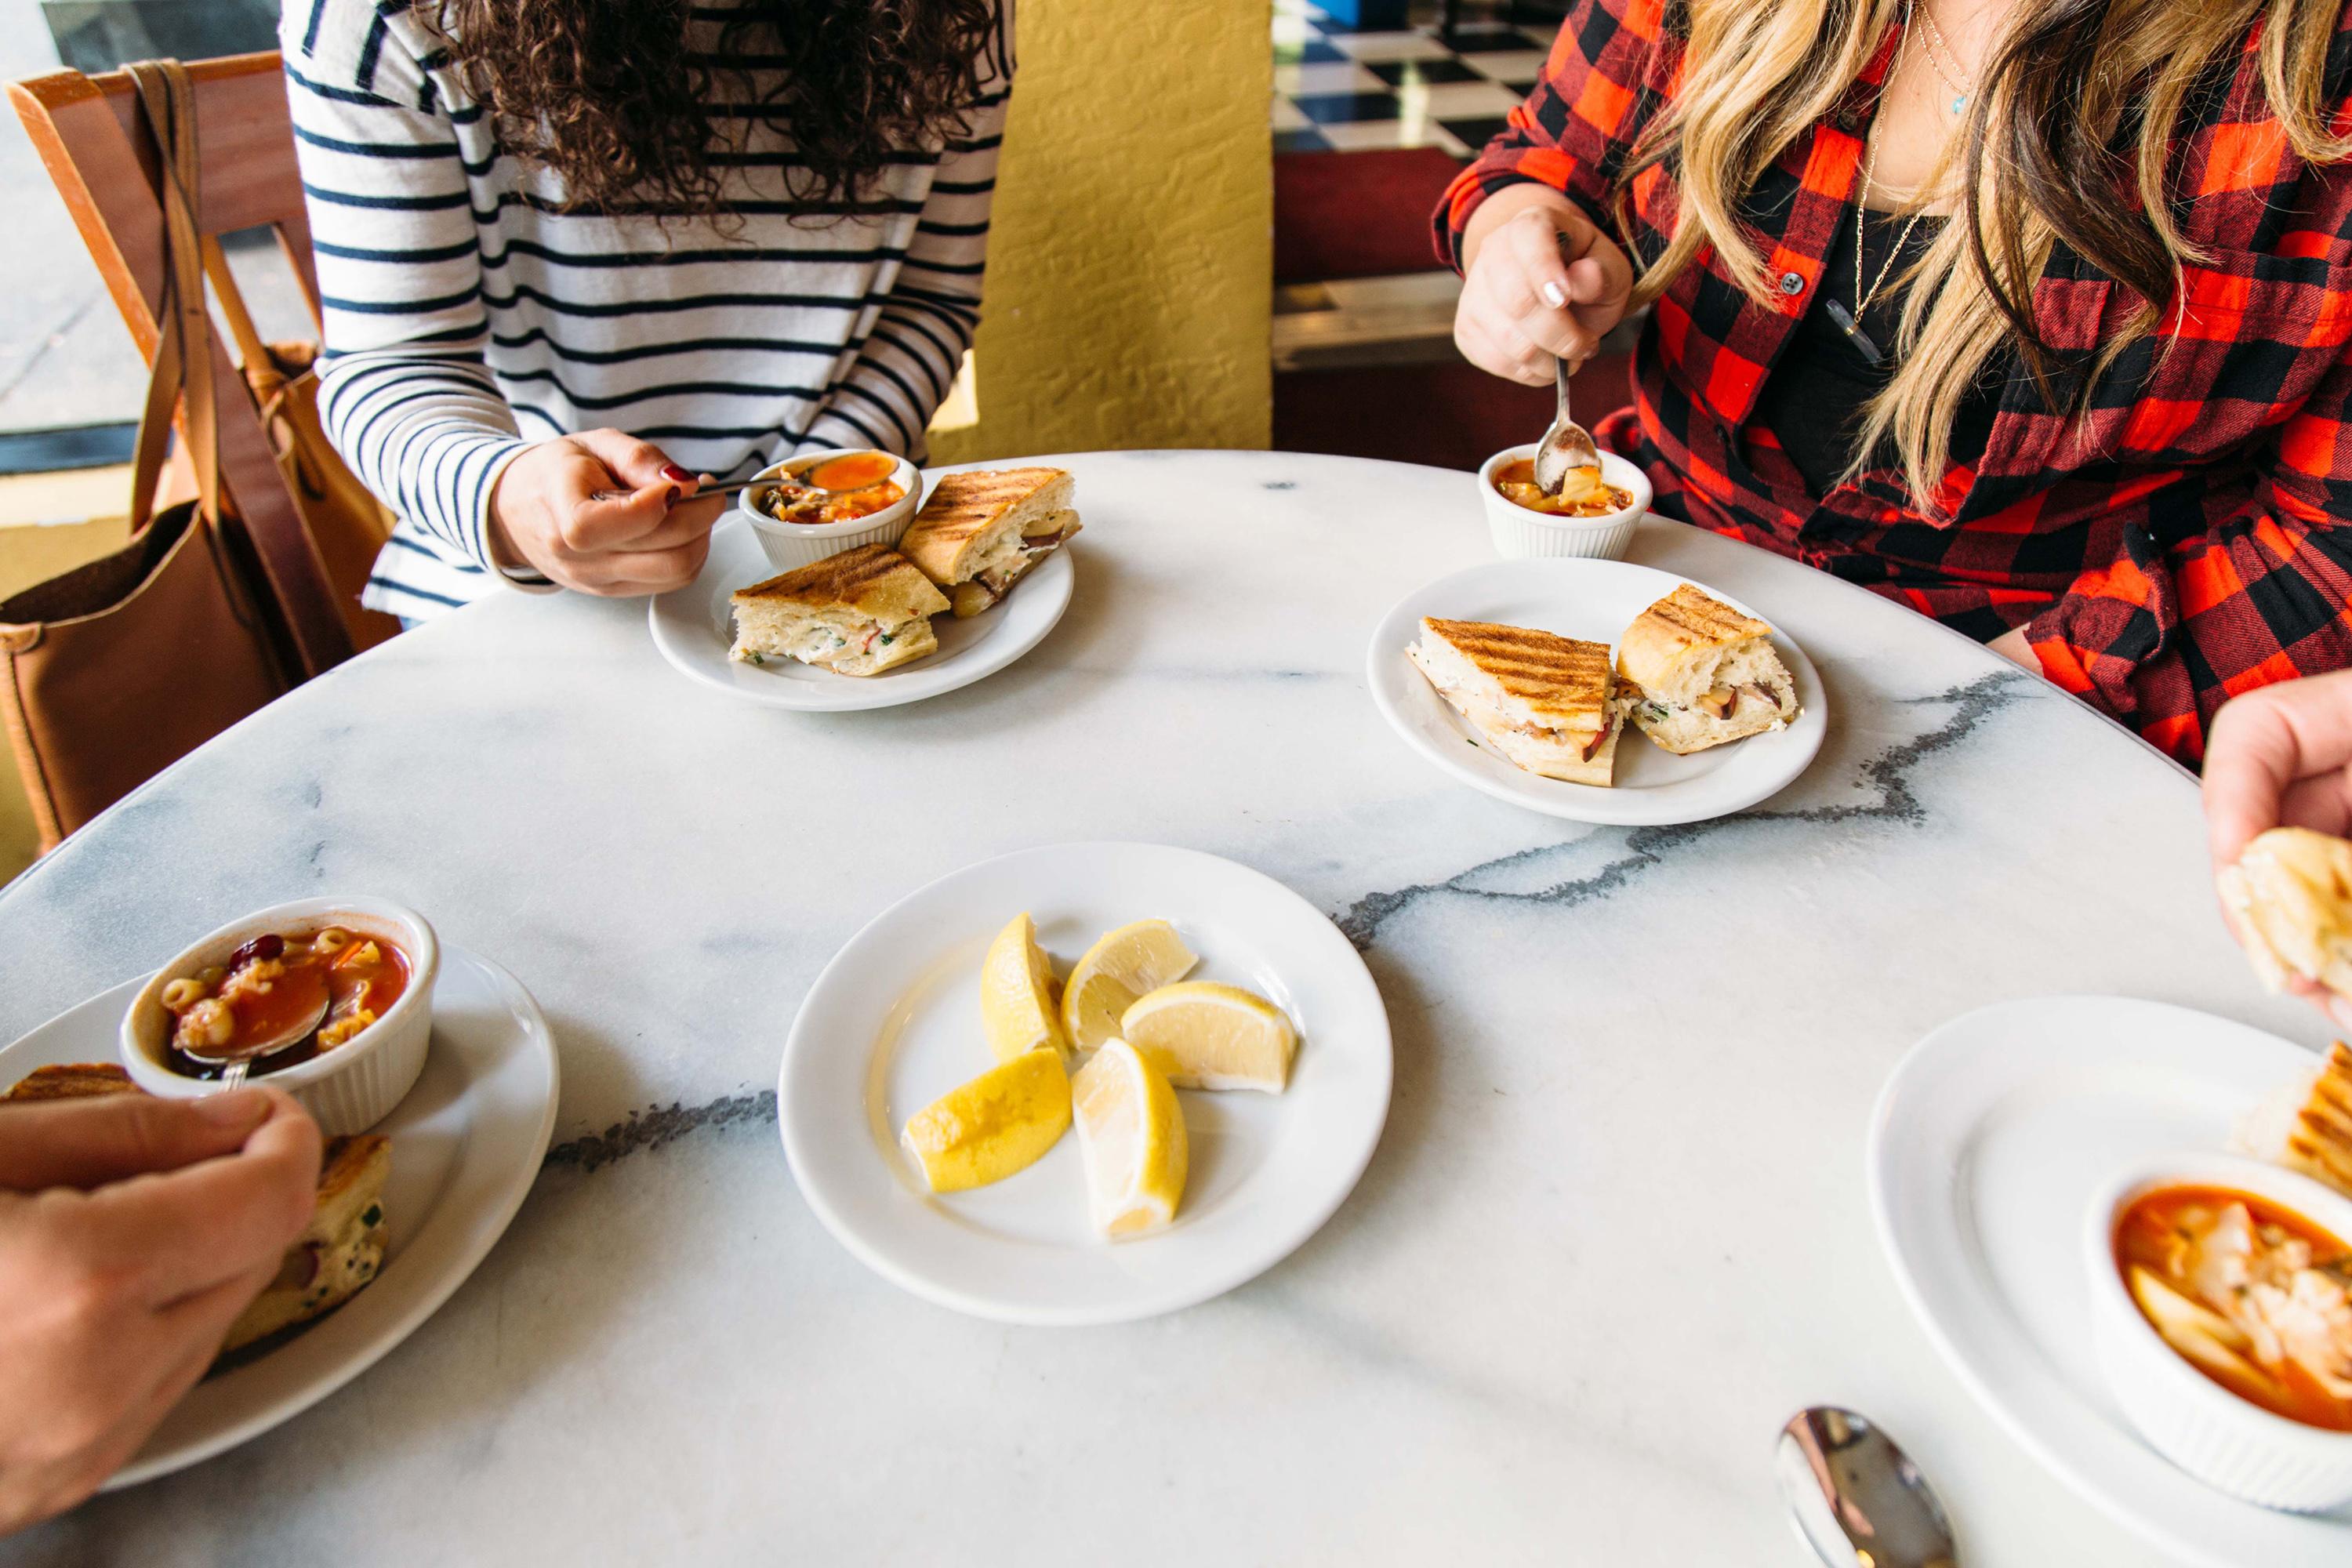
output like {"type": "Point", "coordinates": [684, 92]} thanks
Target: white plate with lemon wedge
{"type": "Point", "coordinates": [1142, 1200]}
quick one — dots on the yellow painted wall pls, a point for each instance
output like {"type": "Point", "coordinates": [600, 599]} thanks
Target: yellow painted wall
{"type": "Point", "coordinates": [1130, 258]}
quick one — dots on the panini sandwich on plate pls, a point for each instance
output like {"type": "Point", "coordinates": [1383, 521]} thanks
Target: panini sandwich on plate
{"type": "Point", "coordinates": [1702, 673]}
{"type": "Point", "coordinates": [858, 613]}
{"type": "Point", "coordinates": [337, 1254]}
{"type": "Point", "coordinates": [978, 533]}
{"type": "Point", "coordinates": [1547, 703]}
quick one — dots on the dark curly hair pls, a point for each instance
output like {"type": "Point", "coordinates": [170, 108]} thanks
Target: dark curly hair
{"type": "Point", "coordinates": [607, 94]}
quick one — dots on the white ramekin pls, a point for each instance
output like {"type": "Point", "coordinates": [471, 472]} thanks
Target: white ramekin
{"type": "Point", "coordinates": [2224, 1441]}
{"type": "Point", "coordinates": [1520, 532]}
{"type": "Point", "coordinates": [347, 1089]}
{"type": "Point", "coordinates": [792, 545]}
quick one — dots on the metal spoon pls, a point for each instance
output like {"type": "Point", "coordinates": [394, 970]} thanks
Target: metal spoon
{"type": "Point", "coordinates": [803, 480]}
{"type": "Point", "coordinates": [1566, 446]}
{"type": "Point", "coordinates": [1855, 1497]}
{"type": "Point", "coordinates": [737, 487]}
{"type": "Point", "coordinates": [241, 1059]}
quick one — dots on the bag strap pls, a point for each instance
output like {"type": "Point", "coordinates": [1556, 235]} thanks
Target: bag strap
{"type": "Point", "coordinates": [183, 365]}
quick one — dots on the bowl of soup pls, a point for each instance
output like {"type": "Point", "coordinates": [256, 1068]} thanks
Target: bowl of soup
{"type": "Point", "coordinates": [1595, 515]}
{"type": "Point", "coordinates": [2221, 1310]}
{"type": "Point", "coordinates": [349, 982]}
{"type": "Point", "coordinates": [822, 503]}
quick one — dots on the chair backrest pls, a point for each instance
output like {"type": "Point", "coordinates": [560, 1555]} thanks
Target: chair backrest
{"type": "Point", "coordinates": [89, 133]}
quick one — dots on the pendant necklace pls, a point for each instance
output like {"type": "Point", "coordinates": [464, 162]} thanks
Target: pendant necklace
{"type": "Point", "coordinates": [1936, 47]}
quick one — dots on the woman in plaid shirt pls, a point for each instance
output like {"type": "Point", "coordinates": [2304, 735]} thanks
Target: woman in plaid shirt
{"type": "Point", "coordinates": [2032, 314]}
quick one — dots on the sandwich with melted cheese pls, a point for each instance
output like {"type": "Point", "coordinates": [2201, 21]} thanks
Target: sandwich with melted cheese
{"type": "Point", "coordinates": [858, 613]}
{"type": "Point", "coordinates": [980, 534]}
{"type": "Point", "coordinates": [1702, 674]}
{"type": "Point", "coordinates": [1547, 703]}
{"type": "Point", "coordinates": [338, 1253]}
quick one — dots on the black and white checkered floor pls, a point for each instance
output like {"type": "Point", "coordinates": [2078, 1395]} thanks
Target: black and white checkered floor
{"type": "Point", "coordinates": [1336, 90]}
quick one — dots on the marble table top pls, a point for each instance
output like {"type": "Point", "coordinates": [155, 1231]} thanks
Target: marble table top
{"type": "Point", "coordinates": [1616, 1230]}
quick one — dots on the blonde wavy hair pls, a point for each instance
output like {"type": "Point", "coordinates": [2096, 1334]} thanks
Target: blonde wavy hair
{"type": "Point", "coordinates": [2068, 137]}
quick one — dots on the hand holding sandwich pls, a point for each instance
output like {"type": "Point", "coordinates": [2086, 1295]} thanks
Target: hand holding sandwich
{"type": "Point", "coordinates": [2282, 756]}
{"type": "Point", "coordinates": [133, 1231]}
{"type": "Point", "coordinates": [601, 512]}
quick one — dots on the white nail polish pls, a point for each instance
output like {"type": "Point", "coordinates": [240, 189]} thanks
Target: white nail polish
{"type": "Point", "coordinates": [1553, 295]}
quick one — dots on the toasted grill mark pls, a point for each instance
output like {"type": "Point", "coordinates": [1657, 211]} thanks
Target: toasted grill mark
{"type": "Point", "coordinates": [72, 1080]}
{"type": "Point", "coordinates": [841, 575]}
{"type": "Point", "coordinates": [2322, 1137]}
{"type": "Point", "coordinates": [1559, 676]}
{"type": "Point", "coordinates": [962, 504]}
{"type": "Point", "coordinates": [1703, 617]}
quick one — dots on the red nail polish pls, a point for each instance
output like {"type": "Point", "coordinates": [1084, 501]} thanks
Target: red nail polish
{"type": "Point", "coordinates": [671, 499]}
{"type": "Point", "coordinates": [672, 471]}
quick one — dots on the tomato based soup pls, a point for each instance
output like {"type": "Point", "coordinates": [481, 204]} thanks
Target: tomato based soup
{"type": "Point", "coordinates": [320, 989]}
{"type": "Point", "coordinates": [1584, 494]}
{"type": "Point", "coordinates": [852, 471]}
{"type": "Point", "coordinates": [2258, 1271]}
{"type": "Point", "coordinates": [838, 489]}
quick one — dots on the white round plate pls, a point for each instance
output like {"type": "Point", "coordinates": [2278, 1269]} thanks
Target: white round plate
{"type": "Point", "coordinates": [694, 627]}
{"type": "Point", "coordinates": [466, 1146]}
{"type": "Point", "coordinates": [1594, 600]}
{"type": "Point", "coordinates": [1987, 1143]}
{"type": "Point", "coordinates": [894, 1022]}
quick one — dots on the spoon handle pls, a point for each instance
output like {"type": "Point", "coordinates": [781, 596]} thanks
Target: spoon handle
{"type": "Point", "coordinates": [234, 1076]}
{"type": "Point", "coordinates": [1561, 420]}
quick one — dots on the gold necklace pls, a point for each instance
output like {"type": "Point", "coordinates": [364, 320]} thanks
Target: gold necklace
{"type": "Point", "coordinates": [1851, 324]}
{"type": "Point", "coordinates": [1864, 296]}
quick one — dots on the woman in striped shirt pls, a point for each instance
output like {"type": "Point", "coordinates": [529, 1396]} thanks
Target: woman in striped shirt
{"type": "Point", "coordinates": [575, 253]}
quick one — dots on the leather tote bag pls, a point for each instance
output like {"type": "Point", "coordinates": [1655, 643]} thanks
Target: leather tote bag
{"type": "Point", "coordinates": [117, 668]}
{"type": "Point", "coordinates": [345, 521]}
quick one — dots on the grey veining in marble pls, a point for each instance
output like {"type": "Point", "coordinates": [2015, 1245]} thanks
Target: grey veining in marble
{"type": "Point", "coordinates": [1614, 1234]}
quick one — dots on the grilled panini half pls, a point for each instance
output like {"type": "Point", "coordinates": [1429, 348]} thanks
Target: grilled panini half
{"type": "Point", "coordinates": [980, 534]}
{"type": "Point", "coordinates": [2306, 1125]}
{"type": "Point", "coordinates": [338, 1253]}
{"type": "Point", "coordinates": [71, 1080]}
{"type": "Point", "coordinates": [1703, 673]}
{"type": "Point", "coordinates": [1546, 703]}
{"type": "Point", "coordinates": [858, 613]}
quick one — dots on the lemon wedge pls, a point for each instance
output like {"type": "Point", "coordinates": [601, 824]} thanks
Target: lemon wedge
{"type": "Point", "coordinates": [1131, 1136]}
{"type": "Point", "coordinates": [1016, 994]}
{"type": "Point", "coordinates": [1121, 966]}
{"type": "Point", "coordinates": [1201, 1035]}
{"type": "Point", "coordinates": [1000, 1122]}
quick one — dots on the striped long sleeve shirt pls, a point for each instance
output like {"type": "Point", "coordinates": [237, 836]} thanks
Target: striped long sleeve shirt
{"type": "Point", "coordinates": [467, 315]}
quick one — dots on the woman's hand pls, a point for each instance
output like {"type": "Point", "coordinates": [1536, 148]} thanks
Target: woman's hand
{"type": "Point", "coordinates": [2281, 757]}
{"type": "Point", "coordinates": [133, 1231]}
{"type": "Point", "coordinates": [601, 512]}
{"type": "Point", "coordinates": [1538, 283]}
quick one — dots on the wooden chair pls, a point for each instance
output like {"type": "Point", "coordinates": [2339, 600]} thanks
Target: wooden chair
{"type": "Point", "coordinates": [89, 134]}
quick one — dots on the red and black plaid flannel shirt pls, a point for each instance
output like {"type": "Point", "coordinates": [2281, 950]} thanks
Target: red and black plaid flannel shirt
{"type": "Point", "coordinates": [2190, 538]}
